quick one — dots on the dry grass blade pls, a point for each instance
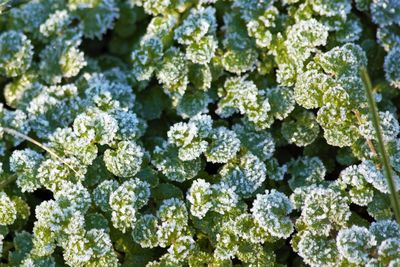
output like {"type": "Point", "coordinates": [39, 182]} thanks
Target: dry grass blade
{"type": "Point", "coordinates": [33, 141]}
{"type": "Point", "coordinates": [6, 5]}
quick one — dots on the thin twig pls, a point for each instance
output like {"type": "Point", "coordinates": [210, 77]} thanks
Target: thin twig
{"type": "Point", "coordinates": [369, 142]}
{"type": "Point", "coordinates": [33, 141]}
{"type": "Point", "coordinates": [394, 196]}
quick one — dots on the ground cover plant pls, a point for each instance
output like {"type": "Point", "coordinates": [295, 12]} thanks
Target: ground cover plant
{"type": "Point", "coordinates": [167, 133]}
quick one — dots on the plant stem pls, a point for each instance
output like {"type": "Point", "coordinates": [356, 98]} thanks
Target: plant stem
{"type": "Point", "coordinates": [33, 141]}
{"type": "Point", "coordinates": [394, 196]}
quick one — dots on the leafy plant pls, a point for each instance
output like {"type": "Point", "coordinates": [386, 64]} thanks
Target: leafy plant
{"type": "Point", "coordinates": [199, 133]}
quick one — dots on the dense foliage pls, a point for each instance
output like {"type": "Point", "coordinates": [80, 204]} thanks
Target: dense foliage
{"type": "Point", "coordinates": [167, 133]}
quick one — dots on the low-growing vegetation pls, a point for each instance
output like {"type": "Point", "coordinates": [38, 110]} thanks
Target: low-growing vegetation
{"type": "Point", "coordinates": [201, 133]}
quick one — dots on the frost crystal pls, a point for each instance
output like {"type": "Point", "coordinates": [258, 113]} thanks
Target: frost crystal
{"type": "Point", "coordinates": [270, 210]}
{"type": "Point", "coordinates": [125, 161]}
